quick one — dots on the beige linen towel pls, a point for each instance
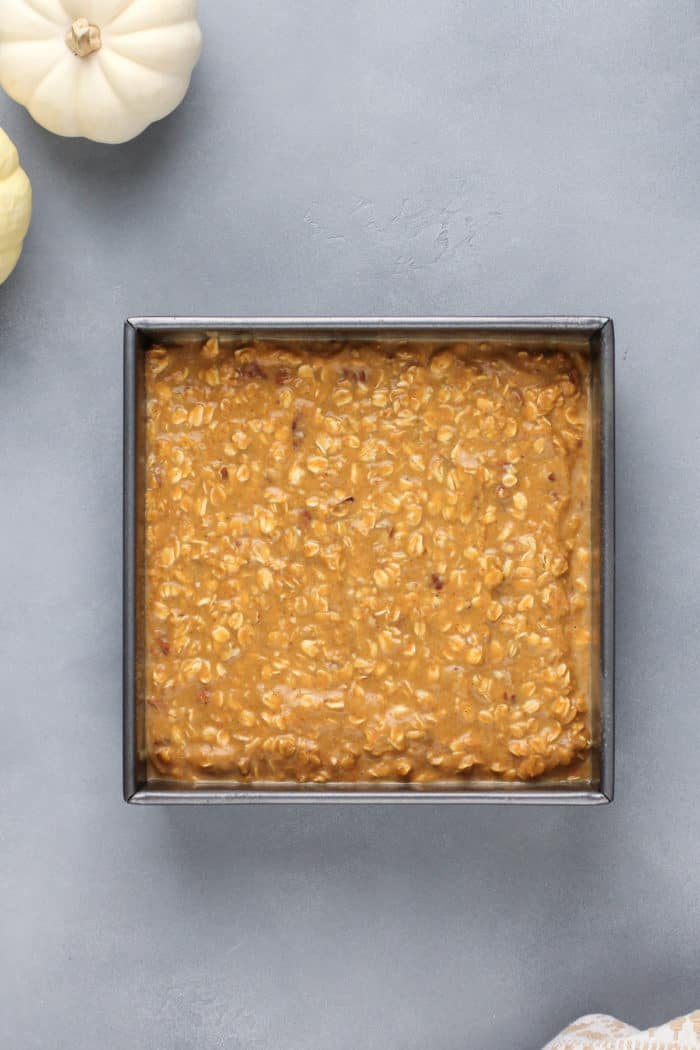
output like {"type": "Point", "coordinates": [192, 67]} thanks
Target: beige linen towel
{"type": "Point", "coordinates": [599, 1032]}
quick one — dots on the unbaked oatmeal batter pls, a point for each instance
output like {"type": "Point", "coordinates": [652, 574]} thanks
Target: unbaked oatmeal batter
{"type": "Point", "coordinates": [367, 564]}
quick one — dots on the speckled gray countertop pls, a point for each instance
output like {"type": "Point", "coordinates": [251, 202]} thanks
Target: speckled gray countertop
{"type": "Point", "coordinates": [396, 157]}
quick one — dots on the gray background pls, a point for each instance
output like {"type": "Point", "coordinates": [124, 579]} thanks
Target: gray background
{"type": "Point", "coordinates": [403, 157]}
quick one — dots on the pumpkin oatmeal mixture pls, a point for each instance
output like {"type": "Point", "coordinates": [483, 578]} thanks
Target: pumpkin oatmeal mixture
{"type": "Point", "coordinates": [367, 564]}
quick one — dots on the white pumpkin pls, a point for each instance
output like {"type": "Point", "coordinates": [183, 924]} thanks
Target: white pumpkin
{"type": "Point", "coordinates": [15, 206]}
{"type": "Point", "coordinates": [104, 69]}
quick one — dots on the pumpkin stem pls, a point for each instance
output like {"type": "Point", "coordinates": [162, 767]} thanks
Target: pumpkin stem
{"type": "Point", "coordinates": [83, 39]}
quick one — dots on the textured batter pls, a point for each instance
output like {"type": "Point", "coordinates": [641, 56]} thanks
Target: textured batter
{"type": "Point", "coordinates": [367, 564]}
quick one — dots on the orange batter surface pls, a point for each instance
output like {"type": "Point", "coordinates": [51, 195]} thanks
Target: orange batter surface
{"type": "Point", "coordinates": [366, 565]}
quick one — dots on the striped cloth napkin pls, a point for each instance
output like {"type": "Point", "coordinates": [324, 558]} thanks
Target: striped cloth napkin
{"type": "Point", "coordinates": [600, 1032]}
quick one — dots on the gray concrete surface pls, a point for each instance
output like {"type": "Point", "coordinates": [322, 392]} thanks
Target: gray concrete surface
{"type": "Point", "coordinates": [393, 157]}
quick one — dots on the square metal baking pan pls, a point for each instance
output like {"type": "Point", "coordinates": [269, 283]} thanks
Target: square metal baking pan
{"type": "Point", "coordinates": [593, 335]}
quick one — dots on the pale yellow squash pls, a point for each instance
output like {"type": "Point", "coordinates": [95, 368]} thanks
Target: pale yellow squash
{"type": "Point", "coordinates": [103, 69]}
{"type": "Point", "coordinates": [15, 206]}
